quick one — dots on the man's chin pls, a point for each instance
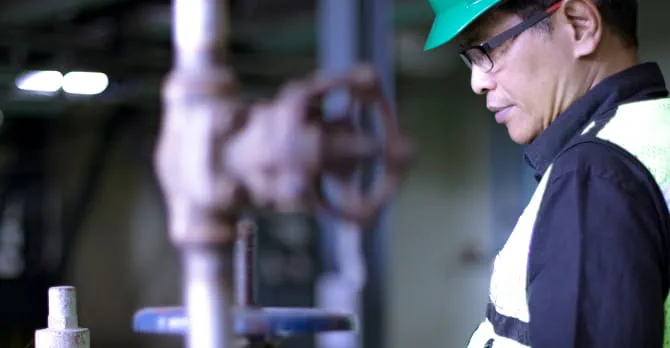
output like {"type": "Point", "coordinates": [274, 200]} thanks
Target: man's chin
{"type": "Point", "coordinates": [518, 136]}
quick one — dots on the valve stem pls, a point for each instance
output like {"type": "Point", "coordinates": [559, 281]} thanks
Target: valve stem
{"type": "Point", "coordinates": [245, 256]}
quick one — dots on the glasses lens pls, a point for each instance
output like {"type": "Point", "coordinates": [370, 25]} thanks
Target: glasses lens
{"type": "Point", "coordinates": [466, 59]}
{"type": "Point", "coordinates": [477, 57]}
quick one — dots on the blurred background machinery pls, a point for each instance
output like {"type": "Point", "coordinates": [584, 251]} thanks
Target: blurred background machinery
{"type": "Point", "coordinates": [80, 203]}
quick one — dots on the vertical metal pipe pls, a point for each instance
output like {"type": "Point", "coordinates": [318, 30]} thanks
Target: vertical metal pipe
{"type": "Point", "coordinates": [338, 35]}
{"type": "Point", "coordinates": [340, 285]}
{"type": "Point", "coordinates": [200, 32]}
{"type": "Point", "coordinates": [378, 41]}
{"type": "Point", "coordinates": [208, 275]}
{"type": "Point", "coordinates": [377, 47]}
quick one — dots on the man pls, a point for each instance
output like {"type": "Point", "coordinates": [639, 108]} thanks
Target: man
{"type": "Point", "coordinates": [587, 264]}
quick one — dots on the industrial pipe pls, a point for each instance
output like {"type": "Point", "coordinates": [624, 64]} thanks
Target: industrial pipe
{"type": "Point", "coordinates": [197, 93]}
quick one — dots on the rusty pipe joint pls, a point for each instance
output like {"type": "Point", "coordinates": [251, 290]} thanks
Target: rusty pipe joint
{"type": "Point", "coordinates": [201, 113]}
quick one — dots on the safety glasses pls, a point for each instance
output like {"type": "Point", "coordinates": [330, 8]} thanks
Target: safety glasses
{"type": "Point", "coordinates": [480, 55]}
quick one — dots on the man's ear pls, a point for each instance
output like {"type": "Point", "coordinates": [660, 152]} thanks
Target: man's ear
{"type": "Point", "coordinates": [584, 25]}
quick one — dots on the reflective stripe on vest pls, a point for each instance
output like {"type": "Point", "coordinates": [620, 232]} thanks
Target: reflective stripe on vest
{"type": "Point", "coordinates": [507, 294]}
{"type": "Point", "coordinates": [642, 129]}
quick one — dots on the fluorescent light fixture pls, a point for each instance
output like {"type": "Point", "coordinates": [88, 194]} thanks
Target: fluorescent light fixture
{"type": "Point", "coordinates": [40, 81]}
{"type": "Point", "coordinates": [86, 83]}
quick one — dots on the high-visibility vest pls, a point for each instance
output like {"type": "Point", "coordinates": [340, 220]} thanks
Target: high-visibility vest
{"type": "Point", "coordinates": [643, 130]}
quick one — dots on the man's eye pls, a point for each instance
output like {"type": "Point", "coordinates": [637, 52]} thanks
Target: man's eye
{"type": "Point", "coordinates": [477, 57]}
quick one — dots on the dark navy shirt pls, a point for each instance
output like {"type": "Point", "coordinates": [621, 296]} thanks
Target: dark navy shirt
{"type": "Point", "coordinates": [598, 264]}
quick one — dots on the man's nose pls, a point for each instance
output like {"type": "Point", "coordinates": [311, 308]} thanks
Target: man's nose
{"type": "Point", "coordinates": [481, 81]}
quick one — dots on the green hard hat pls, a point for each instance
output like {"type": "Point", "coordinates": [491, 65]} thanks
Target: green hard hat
{"type": "Point", "coordinates": [452, 16]}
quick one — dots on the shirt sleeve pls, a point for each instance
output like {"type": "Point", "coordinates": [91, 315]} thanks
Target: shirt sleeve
{"type": "Point", "coordinates": [597, 274]}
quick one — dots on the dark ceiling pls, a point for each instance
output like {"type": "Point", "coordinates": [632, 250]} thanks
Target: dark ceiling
{"type": "Point", "coordinates": [130, 39]}
{"type": "Point", "coordinates": [56, 31]}
{"type": "Point", "coordinates": [118, 34]}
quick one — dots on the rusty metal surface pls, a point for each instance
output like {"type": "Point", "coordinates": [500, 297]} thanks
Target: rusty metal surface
{"type": "Point", "coordinates": [200, 116]}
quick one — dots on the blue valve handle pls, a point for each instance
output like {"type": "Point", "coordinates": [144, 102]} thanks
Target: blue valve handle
{"type": "Point", "coordinates": [250, 322]}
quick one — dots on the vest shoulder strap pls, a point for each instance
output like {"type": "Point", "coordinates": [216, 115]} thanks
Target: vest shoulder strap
{"type": "Point", "coordinates": [643, 129]}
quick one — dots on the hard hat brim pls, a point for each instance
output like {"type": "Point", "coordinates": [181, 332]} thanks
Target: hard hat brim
{"type": "Point", "coordinates": [452, 21]}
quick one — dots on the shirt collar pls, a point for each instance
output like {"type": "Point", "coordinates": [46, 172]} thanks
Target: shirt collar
{"type": "Point", "coordinates": [642, 81]}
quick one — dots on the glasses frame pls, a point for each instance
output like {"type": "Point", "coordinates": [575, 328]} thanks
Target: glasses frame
{"type": "Point", "coordinates": [488, 46]}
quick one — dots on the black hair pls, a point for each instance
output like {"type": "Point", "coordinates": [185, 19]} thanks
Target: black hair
{"type": "Point", "coordinates": [619, 15]}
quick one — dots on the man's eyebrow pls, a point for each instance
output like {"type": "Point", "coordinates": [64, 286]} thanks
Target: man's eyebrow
{"type": "Point", "coordinates": [474, 34]}
{"type": "Point", "coordinates": [469, 39]}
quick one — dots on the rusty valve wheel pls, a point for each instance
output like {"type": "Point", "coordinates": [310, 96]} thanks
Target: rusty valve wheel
{"type": "Point", "coordinates": [343, 149]}
{"type": "Point", "coordinates": [296, 150]}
